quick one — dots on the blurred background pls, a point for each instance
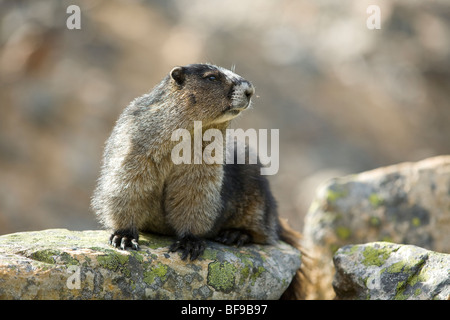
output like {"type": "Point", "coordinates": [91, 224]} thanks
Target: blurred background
{"type": "Point", "coordinates": [345, 98]}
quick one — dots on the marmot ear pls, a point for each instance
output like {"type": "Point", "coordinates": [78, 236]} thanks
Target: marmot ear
{"type": "Point", "coordinates": [178, 75]}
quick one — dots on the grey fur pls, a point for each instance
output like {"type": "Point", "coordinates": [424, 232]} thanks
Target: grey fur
{"type": "Point", "coordinates": [140, 189]}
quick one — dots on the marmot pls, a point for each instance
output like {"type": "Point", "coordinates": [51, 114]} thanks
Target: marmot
{"type": "Point", "coordinates": [141, 189]}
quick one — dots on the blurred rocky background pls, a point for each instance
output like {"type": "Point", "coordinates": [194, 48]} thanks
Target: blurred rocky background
{"type": "Point", "coordinates": [345, 98]}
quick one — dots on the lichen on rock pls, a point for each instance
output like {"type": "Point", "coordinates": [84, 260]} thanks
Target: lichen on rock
{"type": "Point", "coordinates": [63, 264]}
{"type": "Point", "coordinates": [387, 271]}
{"type": "Point", "coordinates": [406, 203]}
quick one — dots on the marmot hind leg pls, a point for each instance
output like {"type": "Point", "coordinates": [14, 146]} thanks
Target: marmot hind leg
{"type": "Point", "coordinates": [231, 236]}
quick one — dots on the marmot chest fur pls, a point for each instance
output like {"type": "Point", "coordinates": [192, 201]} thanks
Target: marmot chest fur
{"type": "Point", "coordinates": [141, 189]}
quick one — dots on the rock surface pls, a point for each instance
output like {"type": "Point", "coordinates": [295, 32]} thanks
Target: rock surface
{"type": "Point", "coordinates": [380, 97]}
{"type": "Point", "coordinates": [388, 271]}
{"type": "Point", "coordinates": [63, 264]}
{"type": "Point", "coordinates": [407, 203]}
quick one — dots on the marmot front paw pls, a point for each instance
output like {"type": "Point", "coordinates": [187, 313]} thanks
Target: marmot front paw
{"type": "Point", "coordinates": [189, 245]}
{"type": "Point", "coordinates": [124, 238]}
{"type": "Point", "coordinates": [234, 236]}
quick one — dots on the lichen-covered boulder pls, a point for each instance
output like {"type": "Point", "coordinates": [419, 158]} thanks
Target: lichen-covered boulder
{"type": "Point", "coordinates": [388, 271]}
{"type": "Point", "coordinates": [63, 264]}
{"type": "Point", "coordinates": [407, 203]}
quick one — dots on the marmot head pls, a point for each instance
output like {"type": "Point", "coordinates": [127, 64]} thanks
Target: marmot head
{"type": "Point", "coordinates": [211, 94]}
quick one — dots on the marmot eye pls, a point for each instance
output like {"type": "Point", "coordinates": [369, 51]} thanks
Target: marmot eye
{"type": "Point", "coordinates": [212, 78]}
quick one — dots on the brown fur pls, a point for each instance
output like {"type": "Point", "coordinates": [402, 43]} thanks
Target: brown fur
{"type": "Point", "coordinates": [296, 289]}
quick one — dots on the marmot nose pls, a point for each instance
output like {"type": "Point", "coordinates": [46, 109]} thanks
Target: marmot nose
{"type": "Point", "coordinates": [249, 90]}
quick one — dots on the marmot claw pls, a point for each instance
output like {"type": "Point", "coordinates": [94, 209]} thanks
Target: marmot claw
{"type": "Point", "coordinates": [123, 239]}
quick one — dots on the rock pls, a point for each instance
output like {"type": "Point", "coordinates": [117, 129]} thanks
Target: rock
{"type": "Point", "coordinates": [407, 203]}
{"type": "Point", "coordinates": [387, 271]}
{"type": "Point", "coordinates": [63, 264]}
